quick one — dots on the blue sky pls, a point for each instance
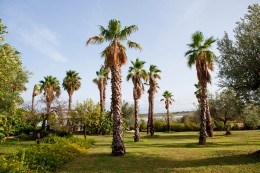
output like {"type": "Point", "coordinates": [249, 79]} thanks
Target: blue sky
{"type": "Point", "coordinates": [51, 36]}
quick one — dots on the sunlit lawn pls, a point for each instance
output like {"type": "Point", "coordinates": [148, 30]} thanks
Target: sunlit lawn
{"type": "Point", "coordinates": [173, 152]}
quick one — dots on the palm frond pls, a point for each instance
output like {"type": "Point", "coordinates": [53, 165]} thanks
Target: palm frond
{"type": "Point", "coordinates": [135, 45]}
{"type": "Point", "coordinates": [95, 40]}
{"type": "Point", "coordinates": [127, 31]}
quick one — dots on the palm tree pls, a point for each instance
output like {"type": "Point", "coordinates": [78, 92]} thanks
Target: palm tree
{"type": "Point", "coordinates": [71, 83]}
{"type": "Point", "coordinates": [138, 75]}
{"type": "Point", "coordinates": [101, 81]}
{"type": "Point", "coordinates": [36, 91]}
{"type": "Point", "coordinates": [198, 93]}
{"type": "Point", "coordinates": [51, 88]}
{"type": "Point", "coordinates": [168, 101]}
{"type": "Point", "coordinates": [200, 55]}
{"type": "Point", "coordinates": [153, 74]}
{"type": "Point", "coordinates": [115, 57]}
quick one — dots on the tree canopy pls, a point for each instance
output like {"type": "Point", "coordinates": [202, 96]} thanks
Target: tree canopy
{"type": "Point", "coordinates": [239, 60]}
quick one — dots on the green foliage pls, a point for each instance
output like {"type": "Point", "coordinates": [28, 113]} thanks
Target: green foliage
{"type": "Point", "coordinates": [142, 125]}
{"type": "Point", "coordinates": [239, 61]}
{"type": "Point", "coordinates": [105, 126]}
{"type": "Point", "coordinates": [160, 125]}
{"type": "Point", "coordinates": [127, 110]}
{"type": "Point", "coordinates": [128, 115]}
{"type": "Point", "coordinates": [88, 114]}
{"type": "Point", "coordinates": [225, 106]}
{"type": "Point", "coordinates": [251, 117]}
{"type": "Point", "coordinates": [13, 78]}
{"type": "Point", "coordinates": [46, 157]}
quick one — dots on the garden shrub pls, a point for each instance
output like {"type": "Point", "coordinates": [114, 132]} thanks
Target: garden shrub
{"type": "Point", "coordinates": [142, 126]}
{"type": "Point", "coordinates": [160, 125]}
{"type": "Point", "coordinates": [52, 153]}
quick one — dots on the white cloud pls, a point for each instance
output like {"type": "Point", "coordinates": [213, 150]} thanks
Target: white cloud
{"type": "Point", "coordinates": [34, 34]}
{"type": "Point", "coordinates": [42, 40]}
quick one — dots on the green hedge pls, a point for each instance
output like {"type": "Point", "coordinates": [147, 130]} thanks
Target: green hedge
{"type": "Point", "coordinates": [161, 126]}
{"type": "Point", "coordinates": [52, 153]}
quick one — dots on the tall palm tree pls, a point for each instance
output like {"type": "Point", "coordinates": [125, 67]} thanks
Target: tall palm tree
{"type": "Point", "coordinates": [209, 127]}
{"type": "Point", "coordinates": [200, 55]}
{"type": "Point", "coordinates": [168, 101]}
{"type": "Point", "coordinates": [115, 57]}
{"type": "Point", "coordinates": [71, 83]}
{"type": "Point", "coordinates": [51, 88]}
{"type": "Point", "coordinates": [101, 81]}
{"type": "Point", "coordinates": [153, 74]}
{"type": "Point", "coordinates": [36, 91]}
{"type": "Point", "coordinates": [138, 75]}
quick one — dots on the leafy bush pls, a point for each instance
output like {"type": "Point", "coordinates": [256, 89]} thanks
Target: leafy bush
{"type": "Point", "coordinates": [160, 125]}
{"type": "Point", "coordinates": [105, 126]}
{"type": "Point", "coordinates": [142, 125]}
{"type": "Point", "coordinates": [52, 153]}
{"type": "Point", "coordinates": [219, 125]}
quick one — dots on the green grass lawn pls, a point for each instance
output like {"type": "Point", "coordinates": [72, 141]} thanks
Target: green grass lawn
{"type": "Point", "coordinates": [173, 152]}
{"type": "Point", "coordinates": [13, 144]}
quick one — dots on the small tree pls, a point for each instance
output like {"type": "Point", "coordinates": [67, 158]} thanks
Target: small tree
{"type": "Point", "coordinates": [226, 107]}
{"type": "Point", "coordinates": [71, 83]}
{"type": "Point", "coordinates": [51, 88]}
{"type": "Point", "coordinates": [87, 114]}
{"type": "Point", "coordinates": [168, 101]}
{"type": "Point", "coordinates": [138, 75]}
{"type": "Point", "coordinates": [153, 74]}
{"type": "Point", "coordinates": [101, 82]}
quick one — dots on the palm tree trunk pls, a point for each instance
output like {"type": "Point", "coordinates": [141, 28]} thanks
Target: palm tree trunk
{"type": "Point", "coordinates": [101, 97]}
{"type": "Point", "coordinates": [70, 102]}
{"type": "Point", "coordinates": [104, 97]}
{"type": "Point", "coordinates": [151, 114]}
{"type": "Point", "coordinates": [209, 121]}
{"type": "Point", "coordinates": [46, 121]}
{"type": "Point", "coordinates": [203, 133]}
{"type": "Point", "coordinates": [168, 120]}
{"type": "Point", "coordinates": [136, 136]}
{"type": "Point", "coordinates": [32, 104]}
{"type": "Point", "coordinates": [118, 147]}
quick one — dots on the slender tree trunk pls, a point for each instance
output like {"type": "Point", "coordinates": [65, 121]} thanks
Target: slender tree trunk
{"type": "Point", "coordinates": [101, 92]}
{"type": "Point", "coordinates": [104, 98]}
{"type": "Point", "coordinates": [168, 121]}
{"type": "Point", "coordinates": [45, 124]}
{"type": "Point", "coordinates": [136, 136]}
{"type": "Point", "coordinates": [151, 114]}
{"type": "Point", "coordinates": [85, 132]}
{"type": "Point", "coordinates": [203, 132]}
{"type": "Point", "coordinates": [209, 120]}
{"type": "Point", "coordinates": [118, 147]}
{"type": "Point", "coordinates": [70, 102]}
{"type": "Point", "coordinates": [32, 104]}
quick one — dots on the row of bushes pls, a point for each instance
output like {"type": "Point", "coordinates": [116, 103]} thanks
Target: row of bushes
{"type": "Point", "coordinates": [160, 125]}
{"type": "Point", "coordinates": [51, 154]}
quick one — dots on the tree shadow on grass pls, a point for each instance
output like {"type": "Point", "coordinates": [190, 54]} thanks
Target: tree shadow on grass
{"type": "Point", "coordinates": [132, 162]}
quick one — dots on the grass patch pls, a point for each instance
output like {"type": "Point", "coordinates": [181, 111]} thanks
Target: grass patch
{"type": "Point", "coordinates": [173, 152]}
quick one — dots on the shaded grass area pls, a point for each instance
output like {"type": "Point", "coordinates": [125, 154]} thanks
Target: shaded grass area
{"type": "Point", "coordinates": [173, 152]}
{"type": "Point", "coordinates": [14, 144]}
